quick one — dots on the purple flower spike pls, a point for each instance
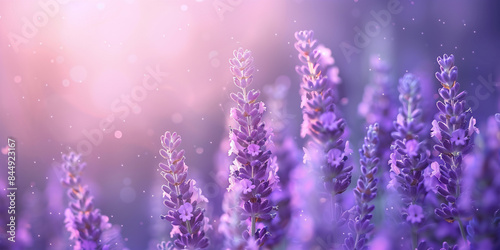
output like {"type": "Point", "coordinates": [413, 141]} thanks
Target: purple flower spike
{"type": "Point", "coordinates": [322, 123]}
{"type": "Point", "coordinates": [84, 222]}
{"type": "Point", "coordinates": [409, 157]}
{"type": "Point", "coordinates": [456, 130]}
{"type": "Point", "coordinates": [379, 105]}
{"type": "Point", "coordinates": [481, 176]}
{"type": "Point", "coordinates": [253, 174]}
{"type": "Point", "coordinates": [185, 213]}
{"type": "Point", "coordinates": [365, 192]}
{"type": "Point", "coordinates": [449, 72]}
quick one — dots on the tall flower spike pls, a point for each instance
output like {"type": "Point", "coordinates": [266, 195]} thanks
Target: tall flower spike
{"type": "Point", "coordinates": [84, 222]}
{"type": "Point", "coordinates": [183, 198]}
{"type": "Point", "coordinates": [453, 132]}
{"type": "Point", "coordinates": [321, 122]}
{"type": "Point", "coordinates": [288, 159]}
{"type": "Point", "coordinates": [379, 105]}
{"type": "Point", "coordinates": [409, 157]}
{"type": "Point", "coordinates": [253, 175]}
{"type": "Point", "coordinates": [482, 175]}
{"type": "Point", "coordinates": [365, 192]}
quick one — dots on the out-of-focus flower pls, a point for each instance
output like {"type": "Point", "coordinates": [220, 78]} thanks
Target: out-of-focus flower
{"type": "Point", "coordinates": [435, 131]}
{"type": "Point", "coordinates": [253, 149]}
{"type": "Point", "coordinates": [334, 156]}
{"type": "Point", "coordinates": [409, 157]}
{"type": "Point", "coordinates": [84, 222]}
{"type": "Point", "coordinates": [186, 211]}
{"type": "Point", "coordinates": [365, 192]}
{"type": "Point", "coordinates": [328, 120]}
{"type": "Point", "coordinates": [247, 186]}
{"type": "Point", "coordinates": [447, 246]}
{"type": "Point", "coordinates": [321, 121]}
{"type": "Point", "coordinates": [415, 213]}
{"type": "Point", "coordinates": [412, 148]}
{"type": "Point", "coordinates": [435, 170]}
{"type": "Point", "coordinates": [379, 105]}
{"type": "Point", "coordinates": [482, 181]}
{"type": "Point", "coordinates": [458, 137]}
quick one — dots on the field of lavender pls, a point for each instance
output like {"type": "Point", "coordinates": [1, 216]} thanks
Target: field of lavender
{"type": "Point", "coordinates": [194, 125]}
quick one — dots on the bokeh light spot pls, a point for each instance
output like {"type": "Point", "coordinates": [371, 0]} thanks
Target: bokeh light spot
{"type": "Point", "coordinates": [78, 74]}
{"type": "Point", "coordinates": [65, 82]}
{"type": "Point", "coordinates": [127, 194]}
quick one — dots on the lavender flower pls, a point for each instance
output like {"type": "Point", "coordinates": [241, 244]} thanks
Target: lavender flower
{"type": "Point", "coordinates": [415, 214]}
{"type": "Point", "coordinates": [453, 132]}
{"type": "Point", "coordinates": [285, 156]}
{"type": "Point", "coordinates": [84, 222]}
{"type": "Point", "coordinates": [182, 198]}
{"type": "Point", "coordinates": [253, 175]}
{"type": "Point", "coordinates": [365, 192]}
{"type": "Point", "coordinates": [231, 225]}
{"type": "Point", "coordinates": [483, 179]}
{"type": "Point", "coordinates": [409, 157]}
{"type": "Point", "coordinates": [447, 246]}
{"type": "Point", "coordinates": [379, 105]}
{"type": "Point", "coordinates": [321, 122]}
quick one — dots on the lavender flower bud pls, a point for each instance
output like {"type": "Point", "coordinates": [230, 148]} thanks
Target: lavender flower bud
{"type": "Point", "coordinates": [365, 192]}
{"type": "Point", "coordinates": [456, 130]}
{"type": "Point", "coordinates": [481, 177]}
{"type": "Point", "coordinates": [84, 222]}
{"type": "Point", "coordinates": [253, 176]}
{"type": "Point", "coordinates": [321, 121]}
{"type": "Point", "coordinates": [379, 105]}
{"type": "Point", "coordinates": [409, 155]}
{"type": "Point", "coordinates": [184, 212]}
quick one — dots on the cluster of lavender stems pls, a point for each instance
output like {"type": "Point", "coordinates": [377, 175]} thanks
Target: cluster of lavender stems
{"type": "Point", "coordinates": [453, 131]}
{"type": "Point", "coordinates": [365, 192]}
{"type": "Point", "coordinates": [258, 207]}
{"type": "Point", "coordinates": [185, 214]}
{"type": "Point", "coordinates": [409, 157]}
{"type": "Point", "coordinates": [321, 122]}
{"type": "Point", "coordinates": [84, 222]}
{"type": "Point", "coordinates": [484, 228]}
{"type": "Point", "coordinates": [253, 176]}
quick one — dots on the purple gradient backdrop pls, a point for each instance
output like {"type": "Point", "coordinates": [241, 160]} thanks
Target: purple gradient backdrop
{"type": "Point", "coordinates": [69, 74]}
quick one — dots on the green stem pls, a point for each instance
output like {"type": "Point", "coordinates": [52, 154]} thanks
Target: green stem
{"type": "Point", "coordinates": [462, 230]}
{"type": "Point", "coordinates": [356, 241]}
{"type": "Point", "coordinates": [254, 221]}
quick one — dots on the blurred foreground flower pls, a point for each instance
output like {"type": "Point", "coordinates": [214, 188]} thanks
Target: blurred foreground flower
{"type": "Point", "coordinates": [88, 228]}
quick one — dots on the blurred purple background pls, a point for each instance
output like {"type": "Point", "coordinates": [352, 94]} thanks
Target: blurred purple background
{"type": "Point", "coordinates": [67, 66]}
